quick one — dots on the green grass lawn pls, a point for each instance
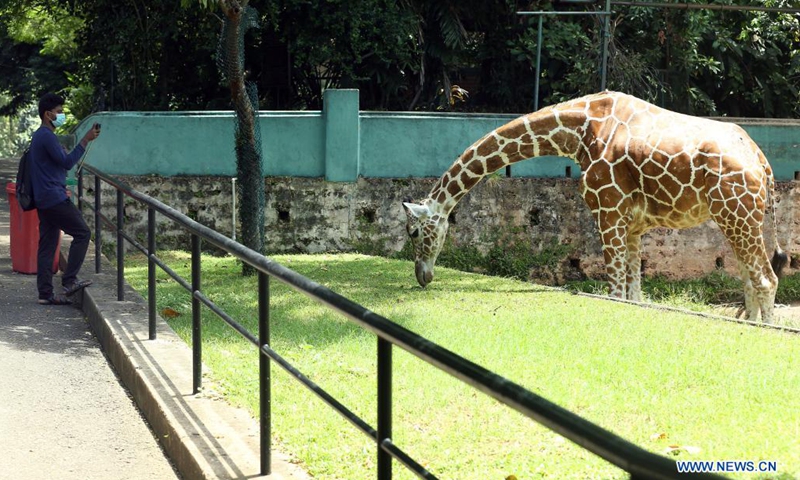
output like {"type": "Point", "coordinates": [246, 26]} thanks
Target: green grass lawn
{"type": "Point", "coordinates": [656, 378]}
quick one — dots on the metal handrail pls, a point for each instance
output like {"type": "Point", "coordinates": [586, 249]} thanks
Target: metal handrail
{"type": "Point", "coordinates": [612, 448]}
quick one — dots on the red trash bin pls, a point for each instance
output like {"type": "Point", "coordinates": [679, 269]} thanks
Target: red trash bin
{"type": "Point", "coordinates": [25, 235]}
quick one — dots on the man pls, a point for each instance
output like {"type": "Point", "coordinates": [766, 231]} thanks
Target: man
{"type": "Point", "coordinates": [49, 166]}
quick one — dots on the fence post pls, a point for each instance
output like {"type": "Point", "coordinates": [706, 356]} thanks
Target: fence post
{"type": "Point", "coordinates": [197, 350]}
{"type": "Point", "coordinates": [98, 231]}
{"type": "Point", "coordinates": [151, 272]}
{"type": "Point", "coordinates": [120, 246]}
{"type": "Point", "coordinates": [384, 407]}
{"type": "Point", "coordinates": [264, 377]}
{"type": "Point", "coordinates": [80, 192]}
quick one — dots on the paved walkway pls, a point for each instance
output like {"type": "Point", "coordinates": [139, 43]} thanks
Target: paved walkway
{"type": "Point", "coordinates": [72, 377]}
{"type": "Point", "coordinates": [63, 412]}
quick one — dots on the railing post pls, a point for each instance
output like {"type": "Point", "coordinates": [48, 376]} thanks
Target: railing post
{"type": "Point", "coordinates": [151, 272]}
{"type": "Point", "coordinates": [538, 64]}
{"type": "Point", "coordinates": [120, 246]}
{"type": "Point", "coordinates": [384, 407]}
{"type": "Point", "coordinates": [98, 231]}
{"type": "Point", "coordinates": [197, 350]}
{"type": "Point", "coordinates": [80, 192]}
{"type": "Point", "coordinates": [264, 377]}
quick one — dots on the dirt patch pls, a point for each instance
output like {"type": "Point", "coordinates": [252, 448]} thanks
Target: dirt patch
{"type": "Point", "coordinates": [785, 315]}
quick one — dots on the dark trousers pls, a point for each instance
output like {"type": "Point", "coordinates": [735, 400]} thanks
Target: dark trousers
{"type": "Point", "coordinates": [64, 216]}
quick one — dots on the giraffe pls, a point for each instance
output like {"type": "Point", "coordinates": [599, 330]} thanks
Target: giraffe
{"type": "Point", "coordinates": [641, 167]}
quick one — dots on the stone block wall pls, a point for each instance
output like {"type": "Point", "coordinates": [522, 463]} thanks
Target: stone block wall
{"type": "Point", "coordinates": [313, 215]}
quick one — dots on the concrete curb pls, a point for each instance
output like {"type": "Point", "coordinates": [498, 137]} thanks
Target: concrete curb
{"type": "Point", "coordinates": [203, 435]}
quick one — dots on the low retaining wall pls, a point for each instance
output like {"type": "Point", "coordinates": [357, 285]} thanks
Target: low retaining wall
{"type": "Point", "coordinates": [313, 215]}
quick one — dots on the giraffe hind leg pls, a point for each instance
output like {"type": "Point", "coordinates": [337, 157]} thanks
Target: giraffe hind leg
{"type": "Point", "coordinates": [760, 283]}
{"type": "Point", "coordinates": [751, 305]}
{"type": "Point", "coordinates": [745, 237]}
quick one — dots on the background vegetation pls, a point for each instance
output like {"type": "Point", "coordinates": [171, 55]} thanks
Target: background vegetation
{"type": "Point", "coordinates": [401, 55]}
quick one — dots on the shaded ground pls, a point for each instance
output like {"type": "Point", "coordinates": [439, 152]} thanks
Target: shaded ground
{"type": "Point", "coordinates": [63, 412]}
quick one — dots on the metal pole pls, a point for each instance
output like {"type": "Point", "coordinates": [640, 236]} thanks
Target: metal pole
{"type": "Point", "coordinates": [151, 271]}
{"type": "Point", "coordinates": [549, 12]}
{"type": "Point", "coordinates": [98, 231]}
{"type": "Point", "coordinates": [80, 191]}
{"type": "Point", "coordinates": [706, 6]}
{"type": "Point", "coordinates": [197, 351]}
{"type": "Point", "coordinates": [606, 37]}
{"type": "Point", "coordinates": [120, 246]}
{"type": "Point", "coordinates": [538, 64]}
{"type": "Point", "coordinates": [264, 376]}
{"type": "Point", "coordinates": [233, 208]}
{"type": "Point", "coordinates": [384, 407]}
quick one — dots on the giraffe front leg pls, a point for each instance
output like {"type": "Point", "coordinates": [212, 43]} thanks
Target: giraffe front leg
{"type": "Point", "coordinates": [614, 253]}
{"type": "Point", "coordinates": [633, 266]}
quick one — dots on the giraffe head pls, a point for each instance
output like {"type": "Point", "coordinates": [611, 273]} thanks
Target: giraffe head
{"type": "Point", "coordinates": [427, 230]}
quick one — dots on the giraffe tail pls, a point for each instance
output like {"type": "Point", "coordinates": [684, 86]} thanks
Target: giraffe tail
{"type": "Point", "coordinates": [779, 257]}
{"type": "Point", "coordinates": [779, 261]}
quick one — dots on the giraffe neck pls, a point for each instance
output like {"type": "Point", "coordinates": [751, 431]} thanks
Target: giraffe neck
{"type": "Point", "coordinates": [556, 130]}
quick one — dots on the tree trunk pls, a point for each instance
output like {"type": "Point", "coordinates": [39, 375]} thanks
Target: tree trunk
{"type": "Point", "coordinates": [248, 154]}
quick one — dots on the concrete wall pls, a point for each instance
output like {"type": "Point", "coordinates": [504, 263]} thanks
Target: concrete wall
{"type": "Point", "coordinates": [341, 144]}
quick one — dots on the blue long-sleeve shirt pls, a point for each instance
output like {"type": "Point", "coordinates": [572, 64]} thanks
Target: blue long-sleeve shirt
{"type": "Point", "coordinates": [49, 164]}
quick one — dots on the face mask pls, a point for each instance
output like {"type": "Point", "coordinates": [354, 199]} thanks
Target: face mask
{"type": "Point", "coordinates": [61, 118]}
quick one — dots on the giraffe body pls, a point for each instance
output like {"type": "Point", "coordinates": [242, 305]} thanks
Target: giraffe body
{"type": "Point", "coordinates": [641, 167]}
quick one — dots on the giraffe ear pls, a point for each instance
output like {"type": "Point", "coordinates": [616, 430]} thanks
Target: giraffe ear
{"type": "Point", "coordinates": [415, 210]}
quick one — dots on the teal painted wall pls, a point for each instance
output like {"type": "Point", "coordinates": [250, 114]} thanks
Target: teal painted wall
{"type": "Point", "coordinates": [201, 143]}
{"type": "Point", "coordinates": [396, 145]}
{"type": "Point", "coordinates": [780, 141]}
{"type": "Point", "coordinates": [400, 144]}
{"type": "Point", "coordinates": [342, 143]}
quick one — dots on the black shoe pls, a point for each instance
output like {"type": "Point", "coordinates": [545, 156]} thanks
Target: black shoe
{"type": "Point", "coordinates": [74, 287]}
{"type": "Point", "coordinates": [55, 300]}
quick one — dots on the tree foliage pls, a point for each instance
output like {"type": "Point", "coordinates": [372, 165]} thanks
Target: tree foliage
{"type": "Point", "coordinates": [468, 55]}
{"type": "Point", "coordinates": [34, 54]}
{"type": "Point", "coordinates": [150, 55]}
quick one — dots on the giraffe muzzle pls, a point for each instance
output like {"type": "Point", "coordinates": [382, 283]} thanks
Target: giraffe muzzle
{"type": "Point", "coordinates": [424, 274]}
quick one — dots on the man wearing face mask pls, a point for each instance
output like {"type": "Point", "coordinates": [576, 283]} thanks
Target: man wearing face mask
{"type": "Point", "coordinates": [49, 164]}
